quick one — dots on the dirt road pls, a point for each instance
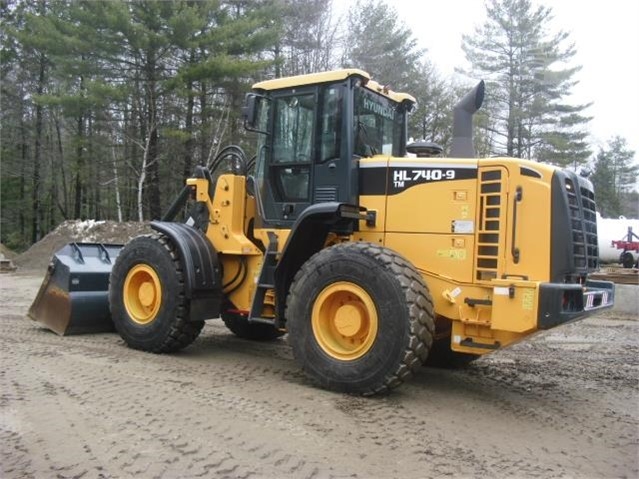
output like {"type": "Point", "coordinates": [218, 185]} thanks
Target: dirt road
{"type": "Point", "coordinates": [564, 404]}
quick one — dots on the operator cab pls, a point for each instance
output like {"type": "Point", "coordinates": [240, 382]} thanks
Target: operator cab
{"type": "Point", "coordinates": [314, 129]}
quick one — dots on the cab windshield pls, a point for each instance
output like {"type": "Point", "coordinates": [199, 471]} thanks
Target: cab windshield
{"type": "Point", "coordinates": [378, 124]}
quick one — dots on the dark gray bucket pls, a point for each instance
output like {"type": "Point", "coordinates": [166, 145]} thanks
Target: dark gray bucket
{"type": "Point", "coordinates": [74, 296]}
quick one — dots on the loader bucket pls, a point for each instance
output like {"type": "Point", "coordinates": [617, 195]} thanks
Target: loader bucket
{"type": "Point", "coordinates": [74, 296]}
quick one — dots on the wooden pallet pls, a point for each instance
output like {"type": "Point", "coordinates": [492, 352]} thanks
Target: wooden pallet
{"type": "Point", "coordinates": [617, 275]}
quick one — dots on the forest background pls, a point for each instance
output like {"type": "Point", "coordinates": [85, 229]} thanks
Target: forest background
{"type": "Point", "coordinates": [107, 106]}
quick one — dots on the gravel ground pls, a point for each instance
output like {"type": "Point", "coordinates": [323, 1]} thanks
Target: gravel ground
{"type": "Point", "coordinates": [563, 404]}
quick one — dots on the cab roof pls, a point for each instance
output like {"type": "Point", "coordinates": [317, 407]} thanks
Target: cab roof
{"type": "Point", "coordinates": [331, 76]}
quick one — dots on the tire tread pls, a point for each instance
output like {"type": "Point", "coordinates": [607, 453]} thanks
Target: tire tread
{"type": "Point", "coordinates": [421, 315]}
{"type": "Point", "coordinates": [182, 331]}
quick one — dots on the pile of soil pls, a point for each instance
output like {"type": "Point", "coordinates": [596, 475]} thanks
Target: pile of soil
{"type": "Point", "coordinates": [6, 252]}
{"type": "Point", "coordinates": [38, 256]}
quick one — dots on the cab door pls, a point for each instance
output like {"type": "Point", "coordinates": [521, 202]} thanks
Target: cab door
{"type": "Point", "coordinates": [335, 170]}
{"type": "Point", "coordinates": [290, 154]}
{"type": "Point", "coordinates": [307, 158]}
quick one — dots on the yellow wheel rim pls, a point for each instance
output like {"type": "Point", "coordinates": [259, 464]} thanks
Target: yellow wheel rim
{"type": "Point", "coordinates": [142, 294]}
{"type": "Point", "coordinates": [344, 321]}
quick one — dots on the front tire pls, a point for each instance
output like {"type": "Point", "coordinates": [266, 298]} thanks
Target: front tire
{"type": "Point", "coordinates": [146, 297]}
{"type": "Point", "coordinates": [360, 319]}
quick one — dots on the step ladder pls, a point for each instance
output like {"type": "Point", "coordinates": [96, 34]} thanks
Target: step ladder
{"type": "Point", "coordinates": [265, 282]}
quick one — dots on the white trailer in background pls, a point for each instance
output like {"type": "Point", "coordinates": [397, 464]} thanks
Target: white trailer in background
{"type": "Point", "coordinates": [616, 230]}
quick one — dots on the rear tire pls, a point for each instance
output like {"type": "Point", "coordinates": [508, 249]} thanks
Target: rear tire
{"type": "Point", "coordinates": [238, 324]}
{"type": "Point", "coordinates": [360, 319]}
{"type": "Point", "coordinates": [146, 297]}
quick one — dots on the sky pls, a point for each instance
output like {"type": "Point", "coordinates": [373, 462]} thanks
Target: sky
{"type": "Point", "coordinates": [606, 37]}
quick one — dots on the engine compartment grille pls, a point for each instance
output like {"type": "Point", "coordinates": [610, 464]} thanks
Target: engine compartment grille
{"type": "Point", "coordinates": [583, 224]}
{"type": "Point", "coordinates": [590, 227]}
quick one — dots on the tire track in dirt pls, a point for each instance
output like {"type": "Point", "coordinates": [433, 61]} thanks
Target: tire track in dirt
{"type": "Point", "coordinates": [135, 417]}
{"type": "Point", "coordinates": [563, 404]}
{"type": "Point", "coordinates": [555, 399]}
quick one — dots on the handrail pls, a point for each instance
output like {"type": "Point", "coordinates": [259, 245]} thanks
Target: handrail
{"type": "Point", "coordinates": [514, 249]}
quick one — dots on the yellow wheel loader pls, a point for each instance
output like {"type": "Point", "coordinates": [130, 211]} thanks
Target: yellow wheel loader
{"type": "Point", "coordinates": [373, 255]}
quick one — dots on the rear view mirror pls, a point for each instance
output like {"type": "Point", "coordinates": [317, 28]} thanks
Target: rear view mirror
{"type": "Point", "coordinates": [249, 112]}
{"type": "Point", "coordinates": [253, 103]}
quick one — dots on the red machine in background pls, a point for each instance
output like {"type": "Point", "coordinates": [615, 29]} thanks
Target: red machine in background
{"type": "Point", "coordinates": [628, 245]}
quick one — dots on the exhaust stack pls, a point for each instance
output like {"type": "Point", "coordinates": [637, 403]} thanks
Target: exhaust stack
{"type": "Point", "coordinates": [462, 146]}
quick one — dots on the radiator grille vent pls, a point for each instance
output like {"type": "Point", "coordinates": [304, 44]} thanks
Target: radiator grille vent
{"type": "Point", "coordinates": [324, 194]}
{"type": "Point", "coordinates": [590, 227]}
{"type": "Point", "coordinates": [583, 223]}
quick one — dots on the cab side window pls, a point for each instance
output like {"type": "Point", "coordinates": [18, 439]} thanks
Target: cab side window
{"type": "Point", "coordinates": [292, 148]}
{"type": "Point", "coordinates": [330, 124]}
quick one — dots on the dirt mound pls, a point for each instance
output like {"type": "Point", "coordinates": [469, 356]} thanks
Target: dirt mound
{"type": "Point", "coordinates": [6, 252]}
{"type": "Point", "coordinates": [90, 231]}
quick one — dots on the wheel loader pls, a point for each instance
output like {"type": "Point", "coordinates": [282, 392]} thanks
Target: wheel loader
{"type": "Point", "coordinates": [372, 254]}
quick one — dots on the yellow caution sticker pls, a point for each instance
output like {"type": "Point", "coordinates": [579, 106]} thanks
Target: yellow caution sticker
{"type": "Point", "coordinates": [528, 299]}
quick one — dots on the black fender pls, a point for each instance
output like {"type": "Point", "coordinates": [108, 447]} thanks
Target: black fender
{"type": "Point", "coordinates": [308, 236]}
{"type": "Point", "coordinates": [202, 270]}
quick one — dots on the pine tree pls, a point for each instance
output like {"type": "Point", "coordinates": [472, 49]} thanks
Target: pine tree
{"type": "Point", "coordinates": [527, 83]}
{"type": "Point", "coordinates": [379, 43]}
{"type": "Point", "coordinates": [309, 38]}
{"type": "Point", "coordinates": [432, 118]}
{"type": "Point", "coordinates": [102, 102]}
{"type": "Point", "coordinates": [28, 55]}
{"type": "Point", "coordinates": [614, 177]}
